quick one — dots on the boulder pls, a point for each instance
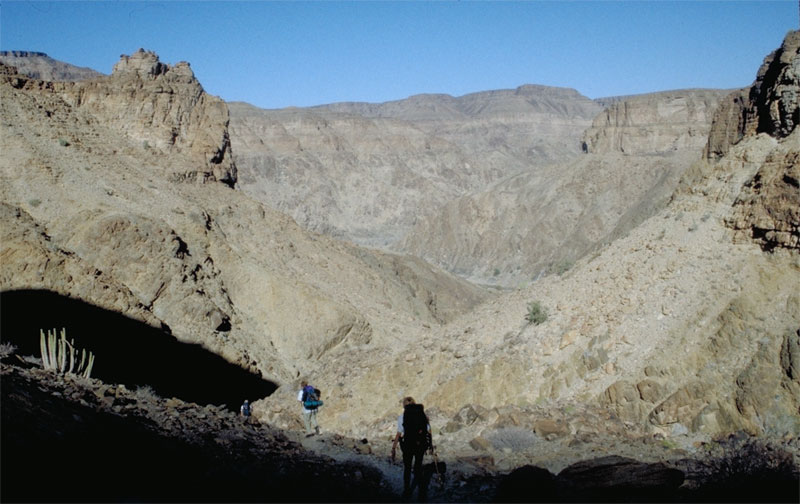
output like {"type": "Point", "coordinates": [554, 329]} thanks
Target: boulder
{"type": "Point", "coordinates": [616, 478]}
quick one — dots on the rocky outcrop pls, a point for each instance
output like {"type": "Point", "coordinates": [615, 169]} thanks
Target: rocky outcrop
{"type": "Point", "coordinates": [771, 105]}
{"type": "Point", "coordinates": [164, 107]}
{"type": "Point", "coordinates": [159, 107]}
{"type": "Point", "coordinates": [658, 123]}
{"type": "Point", "coordinates": [768, 208]}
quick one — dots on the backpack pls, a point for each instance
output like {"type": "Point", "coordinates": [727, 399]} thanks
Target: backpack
{"type": "Point", "coordinates": [246, 409]}
{"type": "Point", "coordinates": [311, 397]}
{"type": "Point", "coordinates": [415, 428]}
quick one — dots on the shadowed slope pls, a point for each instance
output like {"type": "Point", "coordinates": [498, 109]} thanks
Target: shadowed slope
{"type": "Point", "coordinates": [128, 351]}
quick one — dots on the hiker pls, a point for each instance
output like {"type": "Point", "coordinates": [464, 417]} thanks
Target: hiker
{"type": "Point", "coordinates": [309, 399]}
{"type": "Point", "coordinates": [244, 410]}
{"type": "Point", "coordinates": [414, 436]}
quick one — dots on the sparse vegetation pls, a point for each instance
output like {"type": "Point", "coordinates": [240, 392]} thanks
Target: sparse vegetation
{"type": "Point", "coordinates": [145, 393]}
{"type": "Point", "coordinates": [750, 469]}
{"type": "Point", "coordinates": [6, 349]}
{"type": "Point", "coordinates": [496, 271]}
{"type": "Point", "coordinates": [63, 142]}
{"type": "Point", "coordinates": [537, 313]}
{"type": "Point", "coordinates": [34, 202]}
{"type": "Point", "coordinates": [562, 266]}
{"type": "Point", "coordinates": [60, 355]}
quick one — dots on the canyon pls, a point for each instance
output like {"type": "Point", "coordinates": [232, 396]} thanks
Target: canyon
{"type": "Point", "coordinates": [386, 250]}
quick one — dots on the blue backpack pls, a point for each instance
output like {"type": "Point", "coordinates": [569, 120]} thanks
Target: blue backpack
{"type": "Point", "coordinates": [311, 397]}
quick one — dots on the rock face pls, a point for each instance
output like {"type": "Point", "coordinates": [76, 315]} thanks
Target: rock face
{"type": "Point", "coordinates": [659, 123]}
{"type": "Point", "coordinates": [38, 65]}
{"type": "Point", "coordinates": [542, 220]}
{"type": "Point", "coordinates": [770, 105]}
{"type": "Point", "coordinates": [366, 172]}
{"type": "Point", "coordinates": [768, 210]}
{"type": "Point", "coordinates": [165, 108]}
{"type": "Point", "coordinates": [97, 208]}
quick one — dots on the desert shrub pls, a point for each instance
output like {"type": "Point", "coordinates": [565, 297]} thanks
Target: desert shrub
{"type": "Point", "coordinates": [145, 393]}
{"type": "Point", "coordinates": [63, 143]}
{"type": "Point", "coordinates": [749, 469]}
{"type": "Point", "coordinates": [562, 266]}
{"type": "Point", "coordinates": [6, 349]}
{"type": "Point", "coordinates": [516, 439]}
{"type": "Point", "coordinates": [537, 313]}
{"type": "Point", "coordinates": [35, 202]}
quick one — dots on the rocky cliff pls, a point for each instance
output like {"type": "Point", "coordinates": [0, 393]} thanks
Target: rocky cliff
{"type": "Point", "coordinates": [659, 123]}
{"type": "Point", "coordinates": [768, 210]}
{"type": "Point", "coordinates": [542, 220]}
{"type": "Point", "coordinates": [366, 172]}
{"type": "Point", "coordinates": [769, 106]}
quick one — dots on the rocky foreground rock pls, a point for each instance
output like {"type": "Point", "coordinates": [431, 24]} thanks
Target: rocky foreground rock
{"type": "Point", "coordinates": [118, 443]}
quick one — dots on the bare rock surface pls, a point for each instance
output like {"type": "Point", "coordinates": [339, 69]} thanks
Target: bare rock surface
{"type": "Point", "coordinates": [366, 172]}
{"type": "Point", "coordinates": [655, 123]}
{"type": "Point", "coordinates": [542, 220]}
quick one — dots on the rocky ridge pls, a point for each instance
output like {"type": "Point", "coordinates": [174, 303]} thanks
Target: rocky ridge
{"type": "Point", "coordinates": [366, 172]}
{"type": "Point", "coordinates": [768, 210]}
{"type": "Point", "coordinates": [39, 65]}
{"type": "Point", "coordinates": [542, 220]}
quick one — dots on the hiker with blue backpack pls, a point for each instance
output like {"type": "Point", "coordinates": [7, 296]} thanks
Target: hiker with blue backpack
{"type": "Point", "coordinates": [414, 437]}
{"type": "Point", "coordinates": [309, 398]}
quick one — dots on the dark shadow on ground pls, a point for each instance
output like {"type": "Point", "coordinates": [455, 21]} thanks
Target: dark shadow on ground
{"type": "Point", "coordinates": [128, 351]}
{"type": "Point", "coordinates": [55, 449]}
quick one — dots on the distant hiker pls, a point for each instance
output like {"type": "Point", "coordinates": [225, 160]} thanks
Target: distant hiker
{"type": "Point", "coordinates": [309, 398]}
{"type": "Point", "coordinates": [244, 410]}
{"type": "Point", "coordinates": [414, 436]}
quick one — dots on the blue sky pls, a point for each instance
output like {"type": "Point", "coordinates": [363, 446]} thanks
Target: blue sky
{"type": "Point", "coordinates": [276, 54]}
